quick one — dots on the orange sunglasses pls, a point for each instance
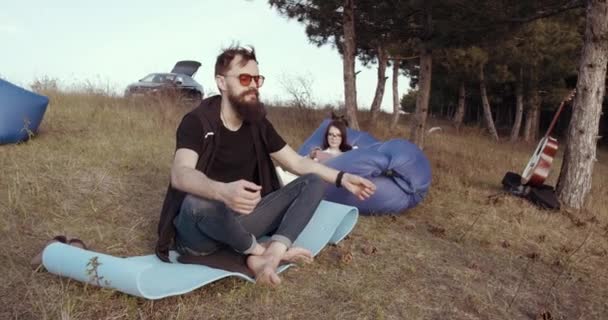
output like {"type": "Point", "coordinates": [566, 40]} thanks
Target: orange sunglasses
{"type": "Point", "coordinates": [245, 79]}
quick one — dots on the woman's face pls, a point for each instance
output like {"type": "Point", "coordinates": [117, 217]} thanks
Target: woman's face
{"type": "Point", "coordinates": [334, 137]}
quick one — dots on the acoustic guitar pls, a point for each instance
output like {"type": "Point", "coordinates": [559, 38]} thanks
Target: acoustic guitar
{"type": "Point", "coordinates": [538, 168]}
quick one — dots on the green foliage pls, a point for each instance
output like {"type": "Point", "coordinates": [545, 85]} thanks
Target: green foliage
{"type": "Point", "coordinates": [507, 38]}
{"type": "Point", "coordinates": [388, 23]}
{"type": "Point", "coordinates": [408, 101]}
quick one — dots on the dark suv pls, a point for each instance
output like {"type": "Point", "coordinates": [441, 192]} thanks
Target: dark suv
{"type": "Point", "coordinates": [177, 82]}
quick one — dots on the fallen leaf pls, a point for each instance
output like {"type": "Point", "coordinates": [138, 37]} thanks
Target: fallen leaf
{"type": "Point", "coordinates": [542, 238]}
{"type": "Point", "coordinates": [599, 252]}
{"type": "Point", "coordinates": [533, 255]}
{"type": "Point", "coordinates": [545, 315]}
{"type": "Point", "coordinates": [369, 249]}
{"type": "Point", "coordinates": [346, 258]}
{"type": "Point", "coordinates": [436, 230]}
{"type": "Point", "coordinates": [557, 263]}
{"type": "Point", "coordinates": [411, 226]}
{"type": "Point", "coordinates": [474, 266]}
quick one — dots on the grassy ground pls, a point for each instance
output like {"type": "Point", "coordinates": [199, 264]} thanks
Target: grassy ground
{"type": "Point", "coordinates": [100, 166]}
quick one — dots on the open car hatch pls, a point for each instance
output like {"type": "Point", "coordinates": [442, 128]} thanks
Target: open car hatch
{"type": "Point", "coordinates": [187, 67]}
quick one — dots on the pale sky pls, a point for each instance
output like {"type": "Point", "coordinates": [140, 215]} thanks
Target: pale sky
{"type": "Point", "coordinates": [112, 43]}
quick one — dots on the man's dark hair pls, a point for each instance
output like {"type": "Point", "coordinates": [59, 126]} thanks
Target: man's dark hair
{"type": "Point", "coordinates": [222, 64]}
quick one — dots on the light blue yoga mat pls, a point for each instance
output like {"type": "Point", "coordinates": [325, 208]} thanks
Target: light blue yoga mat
{"type": "Point", "coordinates": [148, 277]}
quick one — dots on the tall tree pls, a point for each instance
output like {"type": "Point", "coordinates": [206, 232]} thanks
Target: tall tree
{"type": "Point", "coordinates": [350, 83]}
{"type": "Point", "coordinates": [396, 102]}
{"type": "Point", "coordinates": [384, 30]}
{"type": "Point", "coordinates": [469, 63]}
{"type": "Point", "coordinates": [357, 28]}
{"type": "Point", "coordinates": [533, 114]}
{"type": "Point", "coordinates": [487, 111]}
{"type": "Point", "coordinates": [575, 179]}
{"type": "Point", "coordinates": [426, 68]}
{"type": "Point", "coordinates": [519, 105]}
{"type": "Point", "coordinates": [381, 83]}
{"type": "Point", "coordinates": [458, 66]}
{"type": "Point", "coordinates": [459, 115]}
{"type": "Point", "coordinates": [330, 21]}
{"type": "Point", "coordinates": [422, 99]}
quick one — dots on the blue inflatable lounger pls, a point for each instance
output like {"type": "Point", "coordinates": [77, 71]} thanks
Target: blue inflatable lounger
{"type": "Point", "coordinates": [148, 277]}
{"type": "Point", "coordinates": [400, 170]}
{"type": "Point", "coordinates": [21, 112]}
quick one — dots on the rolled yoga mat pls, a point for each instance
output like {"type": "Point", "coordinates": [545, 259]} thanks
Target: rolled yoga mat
{"type": "Point", "coordinates": [148, 277]}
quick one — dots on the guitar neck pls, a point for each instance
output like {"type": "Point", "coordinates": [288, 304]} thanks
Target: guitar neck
{"type": "Point", "coordinates": [559, 110]}
{"type": "Point", "coordinates": [554, 121]}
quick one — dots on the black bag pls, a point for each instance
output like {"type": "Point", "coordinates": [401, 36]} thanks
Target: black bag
{"type": "Point", "coordinates": [511, 182]}
{"type": "Point", "coordinates": [543, 196]}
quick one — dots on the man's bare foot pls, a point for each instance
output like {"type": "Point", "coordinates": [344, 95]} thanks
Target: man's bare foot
{"type": "Point", "coordinates": [297, 254]}
{"type": "Point", "coordinates": [294, 254]}
{"type": "Point", "coordinates": [264, 268]}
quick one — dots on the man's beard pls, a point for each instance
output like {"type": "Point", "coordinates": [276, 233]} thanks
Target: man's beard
{"type": "Point", "coordinates": [248, 111]}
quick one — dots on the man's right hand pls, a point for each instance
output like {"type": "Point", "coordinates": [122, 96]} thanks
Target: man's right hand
{"type": "Point", "coordinates": [241, 196]}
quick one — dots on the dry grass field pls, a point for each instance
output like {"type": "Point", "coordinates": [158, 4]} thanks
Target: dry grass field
{"type": "Point", "coordinates": [99, 167]}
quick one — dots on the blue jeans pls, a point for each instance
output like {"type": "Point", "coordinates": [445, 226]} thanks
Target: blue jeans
{"type": "Point", "coordinates": [204, 226]}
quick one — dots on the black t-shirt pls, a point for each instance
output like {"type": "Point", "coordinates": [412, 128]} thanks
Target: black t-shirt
{"type": "Point", "coordinates": [235, 157]}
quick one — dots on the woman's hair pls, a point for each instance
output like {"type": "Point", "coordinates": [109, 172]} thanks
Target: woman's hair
{"type": "Point", "coordinates": [340, 123]}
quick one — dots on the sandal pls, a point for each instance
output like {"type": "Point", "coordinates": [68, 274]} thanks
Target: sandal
{"type": "Point", "coordinates": [77, 243]}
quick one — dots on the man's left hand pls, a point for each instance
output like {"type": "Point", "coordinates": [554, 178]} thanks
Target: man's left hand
{"type": "Point", "coordinates": [360, 187]}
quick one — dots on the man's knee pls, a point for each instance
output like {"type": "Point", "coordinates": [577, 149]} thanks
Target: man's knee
{"type": "Point", "coordinates": [313, 179]}
{"type": "Point", "coordinates": [314, 185]}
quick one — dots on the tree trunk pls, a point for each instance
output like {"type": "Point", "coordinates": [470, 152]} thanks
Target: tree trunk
{"type": "Point", "coordinates": [536, 125]}
{"type": "Point", "coordinates": [350, 84]}
{"type": "Point", "coordinates": [511, 115]}
{"type": "Point", "coordinates": [497, 115]}
{"type": "Point", "coordinates": [575, 179]}
{"type": "Point", "coordinates": [532, 117]}
{"type": "Point", "coordinates": [422, 99]}
{"type": "Point", "coordinates": [487, 111]}
{"type": "Point", "coordinates": [450, 113]}
{"type": "Point", "coordinates": [382, 59]}
{"type": "Point", "coordinates": [528, 125]}
{"type": "Point", "coordinates": [519, 106]}
{"type": "Point", "coordinates": [396, 105]}
{"type": "Point", "coordinates": [459, 116]}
